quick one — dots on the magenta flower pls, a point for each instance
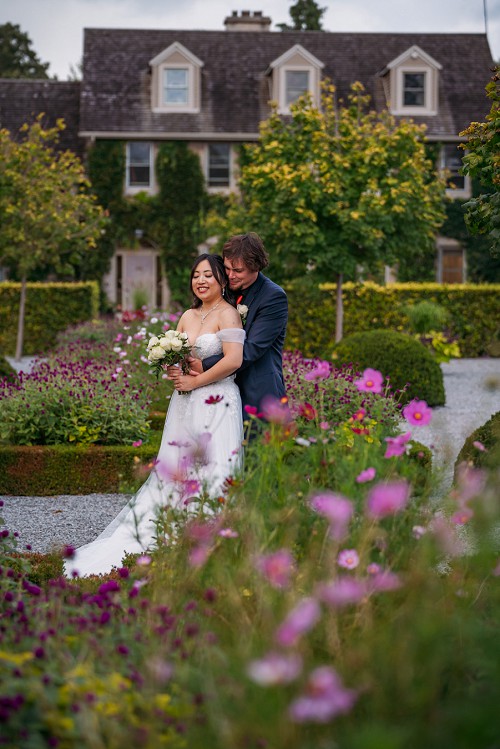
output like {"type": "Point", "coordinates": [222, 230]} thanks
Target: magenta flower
{"type": "Point", "coordinates": [212, 399]}
{"type": "Point", "coordinates": [343, 591]}
{"type": "Point", "coordinates": [324, 699]}
{"type": "Point", "coordinates": [228, 533]}
{"type": "Point", "coordinates": [479, 446]}
{"type": "Point", "coordinates": [396, 445]}
{"type": "Point", "coordinates": [462, 516]}
{"type": "Point", "coordinates": [277, 567]}
{"type": "Point", "coordinates": [417, 413]}
{"type": "Point", "coordinates": [337, 510]}
{"type": "Point", "coordinates": [276, 411]}
{"type": "Point", "coordinates": [300, 620]}
{"type": "Point", "coordinates": [275, 668]}
{"type": "Point", "coordinates": [348, 559]}
{"type": "Point", "coordinates": [367, 475]}
{"type": "Point", "coordinates": [143, 560]}
{"type": "Point", "coordinates": [320, 372]}
{"type": "Point", "coordinates": [199, 555]}
{"type": "Point", "coordinates": [384, 581]}
{"type": "Point", "coordinates": [471, 482]}
{"type": "Point", "coordinates": [387, 499]}
{"type": "Point", "coordinates": [370, 382]}
{"type": "Point", "coordinates": [137, 443]}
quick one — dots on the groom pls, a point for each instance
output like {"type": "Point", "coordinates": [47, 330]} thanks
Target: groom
{"type": "Point", "coordinates": [261, 373]}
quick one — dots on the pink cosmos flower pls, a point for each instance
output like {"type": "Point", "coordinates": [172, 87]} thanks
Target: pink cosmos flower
{"type": "Point", "coordinates": [348, 559]}
{"type": "Point", "coordinates": [324, 425]}
{"type": "Point", "coordinates": [384, 581]}
{"type": "Point", "coordinates": [387, 499]}
{"type": "Point", "coordinates": [462, 516]}
{"type": "Point", "coordinates": [300, 620]}
{"type": "Point", "coordinates": [446, 536]}
{"type": "Point", "coordinates": [367, 475]}
{"type": "Point", "coordinates": [343, 591]}
{"type": "Point", "coordinates": [371, 381]}
{"type": "Point", "coordinates": [137, 443]}
{"type": "Point", "coordinates": [373, 568]}
{"type": "Point", "coordinates": [325, 698]}
{"type": "Point", "coordinates": [252, 411]}
{"type": "Point", "coordinates": [320, 372]}
{"type": "Point", "coordinates": [275, 668]}
{"type": "Point", "coordinates": [479, 446]}
{"type": "Point", "coordinates": [417, 413]}
{"type": "Point", "coordinates": [228, 533]}
{"type": "Point", "coordinates": [143, 560]}
{"type": "Point", "coordinates": [337, 510]}
{"type": "Point", "coordinates": [418, 531]}
{"type": "Point", "coordinates": [276, 411]}
{"type": "Point", "coordinates": [199, 555]}
{"type": "Point", "coordinates": [212, 399]}
{"type": "Point", "coordinates": [277, 568]}
{"type": "Point", "coordinates": [471, 482]}
{"type": "Point", "coordinates": [396, 445]}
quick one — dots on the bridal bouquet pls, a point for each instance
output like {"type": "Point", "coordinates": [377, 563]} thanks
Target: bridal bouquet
{"type": "Point", "coordinates": [169, 348]}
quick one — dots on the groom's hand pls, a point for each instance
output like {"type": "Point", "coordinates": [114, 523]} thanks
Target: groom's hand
{"type": "Point", "coordinates": [195, 366]}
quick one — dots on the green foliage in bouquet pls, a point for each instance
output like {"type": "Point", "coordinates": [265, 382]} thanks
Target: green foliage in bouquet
{"type": "Point", "coordinates": [407, 364]}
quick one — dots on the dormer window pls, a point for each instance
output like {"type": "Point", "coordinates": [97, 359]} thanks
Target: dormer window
{"type": "Point", "coordinates": [413, 83]}
{"type": "Point", "coordinates": [176, 80]}
{"type": "Point", "coordinates": [295, 73]}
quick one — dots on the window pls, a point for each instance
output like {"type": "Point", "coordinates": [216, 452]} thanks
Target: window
{"type": "Point", "coordinates": [296, 85]}
{"type": "Point", "coordinates": [218, 164]}
{"type": "Point", "coordinates": [414, 89]}
{"type": "Point", "coordinates": [139, 164]}
{"type": "Point", "coordinates": [175, 86]}
{"type": "Point", "coordinates": [452, 162]}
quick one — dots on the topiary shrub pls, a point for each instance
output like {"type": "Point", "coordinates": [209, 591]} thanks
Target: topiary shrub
{"type": "Point", "coordinates": [401, 358]}
{"type": "Point", "coordinates": [486, 436]}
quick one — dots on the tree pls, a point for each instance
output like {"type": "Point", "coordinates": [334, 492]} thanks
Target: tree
{"type": "Point", "coordinates": [482, 161]}
{"type": "Point", "coordinates": [306, 16]}
{"type": "Point", "coordinates": [48, 215]}
{"type": "Point", "coordinates": [338, 187]}
{"type": "Point", "coordinates": [17, 58]}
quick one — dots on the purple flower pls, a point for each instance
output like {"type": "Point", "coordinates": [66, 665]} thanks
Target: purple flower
{"type": "Point", "coordinates": [320, 372]}
{"type": "Point", "coordinates": [387, 499]}
{"type": "Point", "coordinates": [275, 668]}
{"type": "Point", "coordinates": [336, 509]}
{"type": "Point", "coordinates": [348, 559]}
{"type": "Point", "coordinates": [344, 591]}
{"type": "Point", "coordinates": [277, 567]}
{"type": "Point", "coordinates": [397, 445]}
{"type": "Point", "coordinates": [324, 699]}
{"type": "Point", "coordinates": [417, 413]}
{"type": "Point", "coordinates": [300, 620]}
{"type": "Point", "coordinates": [367, 475]}
{"type": "Point", "coordinates": [370, 382]}
{"type": "Point", "coordinates": [110, 586]}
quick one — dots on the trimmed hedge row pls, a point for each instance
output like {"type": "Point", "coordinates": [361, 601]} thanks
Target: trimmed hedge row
{"type": "Point", "coordinates": [488, 434]}
{"type": "Point", "coordinates": [66, 469]}
{"type": "Point", "coordinates": [50, 308]}
{"type": "Point", "coordinates": [474, 313]}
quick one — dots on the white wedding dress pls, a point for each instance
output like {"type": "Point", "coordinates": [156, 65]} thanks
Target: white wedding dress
{"type": "Point", "coordinates": [200, 449]}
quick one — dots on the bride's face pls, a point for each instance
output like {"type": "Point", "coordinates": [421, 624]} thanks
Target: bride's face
{"type": "Point", "coordinates": [204, 284]}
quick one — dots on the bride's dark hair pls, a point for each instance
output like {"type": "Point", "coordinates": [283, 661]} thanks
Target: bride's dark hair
{"type": "Point", "coordinates": [217, 266]}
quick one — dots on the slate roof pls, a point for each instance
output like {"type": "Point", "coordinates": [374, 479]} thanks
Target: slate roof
{"type": "Point", "coordinates": [115, 93]}
{"type": "Point", "coordinates": [21, 100]}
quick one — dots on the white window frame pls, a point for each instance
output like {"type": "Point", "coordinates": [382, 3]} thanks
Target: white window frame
{"type": "Point", "coordinates": [189, 105]}
{"type": "Point", "coordinates": [418, 110]}
{"type": "Point", "coordinates": [219, 188]}
{"type": "Point", "coordinates": [284, 108]}
{"type": "Point", "coordinates": [461, 193]}
{"type": "Point", "coordinates": [176, 57]}
{"type": "Point", "coordinates": [165, 70]}
{"type": "Point", "coordinates": [134, 189]}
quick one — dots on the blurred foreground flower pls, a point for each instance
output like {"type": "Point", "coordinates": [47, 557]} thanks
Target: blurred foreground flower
{"type": "Point", "coordinates": [275, 668]}
{"type": "Point", "coordinates": [325, 698]}
{"type": "Point", "coordinates": [387, 499]}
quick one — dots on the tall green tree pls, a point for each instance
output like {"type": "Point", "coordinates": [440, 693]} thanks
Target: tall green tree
{"type": "Point", "coordinates": [482, 161]}
{"type": "Point", "coordinates": [17, 58]}
{"type": "Point", "coordinates": [338, 187]}
{"type": "Point", "coordinates": [306, 16]}
{"type": "Point", "coordinates": [48, 215]}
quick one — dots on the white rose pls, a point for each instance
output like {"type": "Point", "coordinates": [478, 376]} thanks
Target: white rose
{"type": "Point", "coordinates": [153, 342]}
{"type": "Point", "coordinates": [242, 310]}
{"type": "Point", "coordinates": [184, 336]}
{"type": "Point", "coordinates": [156, 353]}
{"type": "Point", "coordinates": [170, 334]}
{"type": "Point", "coordinates": [165, 343]}
{"type": "Point", "coordinates": [177, 344]}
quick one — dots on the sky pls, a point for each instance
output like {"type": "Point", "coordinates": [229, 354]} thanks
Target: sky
{"type": "Point", "coordinates": [55, 27]}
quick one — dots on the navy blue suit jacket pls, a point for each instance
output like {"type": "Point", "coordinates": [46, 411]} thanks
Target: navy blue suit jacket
{"type": "Point", "coordinates": [261, 372]}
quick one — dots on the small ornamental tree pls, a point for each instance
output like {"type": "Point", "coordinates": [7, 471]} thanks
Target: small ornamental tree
{"type": "Point", "coordinates": [338, 187]}
{"type": "Point", "coordinates": [482, 161]}
{"type": "Point", "coordinates": [306, 16]}
{"type": "Point", "coordinates": [48, 215]}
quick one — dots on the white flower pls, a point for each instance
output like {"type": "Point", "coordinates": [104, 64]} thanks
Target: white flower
{"type": "Point", "coordinates": [184, 336]}
{"type": "Point", "coordinates": [156, 353]}
{"type": "Point", "coordinates": [170, 334]}
{"type": "Point", "coordinates": [154, 341]}
{"type": "Point", "coordinates": [243, 311]}
{"type": "Point", "coordinates": [176, 344]}
{"type": "Point", "coordinates": [165, 343]}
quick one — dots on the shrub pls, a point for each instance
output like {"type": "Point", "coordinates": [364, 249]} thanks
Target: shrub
{"type": "Point", "coordinates": [425, 316]}
{"type": "Point", "coordinates": [6, 371]}
{"type": "Point", "coordinates": [403, 360]}
{"type": "Point", "coordinates": [482, 448]}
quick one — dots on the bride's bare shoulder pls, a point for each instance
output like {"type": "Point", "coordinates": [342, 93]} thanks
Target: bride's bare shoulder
{"type": "Point", "coordinates": [229, 317]}
{"type": "Point", "coordinates": [186, 316]}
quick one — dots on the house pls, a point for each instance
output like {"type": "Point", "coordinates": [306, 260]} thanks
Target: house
{"type": "Point", "coordinates": [213, 88]}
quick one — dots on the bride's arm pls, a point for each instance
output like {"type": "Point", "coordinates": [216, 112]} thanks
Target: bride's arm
{"type": "Point", "coordinates": [230, 362]}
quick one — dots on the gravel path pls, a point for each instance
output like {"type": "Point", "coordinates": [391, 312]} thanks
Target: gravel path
{"type": "Point", "coordinates": [472, 396]}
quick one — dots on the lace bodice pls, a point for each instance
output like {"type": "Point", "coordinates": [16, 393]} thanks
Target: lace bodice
{"type": "Point", "coordinates": [207, 344]}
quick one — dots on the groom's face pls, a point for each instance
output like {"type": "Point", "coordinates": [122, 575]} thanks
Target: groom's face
{"type": "Point", "coordinates": [240, 277]}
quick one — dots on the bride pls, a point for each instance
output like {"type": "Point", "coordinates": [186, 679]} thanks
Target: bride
{"type": "Point", "coordinates": [201, 443]}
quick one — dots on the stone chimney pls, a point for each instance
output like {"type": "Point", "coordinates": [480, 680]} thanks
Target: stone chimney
{"type": "Point", "coordinates": [247, 21]}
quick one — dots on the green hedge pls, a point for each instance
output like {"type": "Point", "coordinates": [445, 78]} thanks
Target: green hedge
{"type": "Point", "coordinates": [50, 308]}
{"type": "Point", "coordinates": [474, 313]}
{"type": "Point", "coordinates": [489, 436]}
{"type": "Point", "coordinates": [64, 469]}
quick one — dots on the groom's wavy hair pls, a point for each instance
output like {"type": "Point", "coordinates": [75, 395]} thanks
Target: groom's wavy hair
{"type": "Point", "coordinates": [247, 247]}
{"type": "Point", "coordinates": [217, 266]}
